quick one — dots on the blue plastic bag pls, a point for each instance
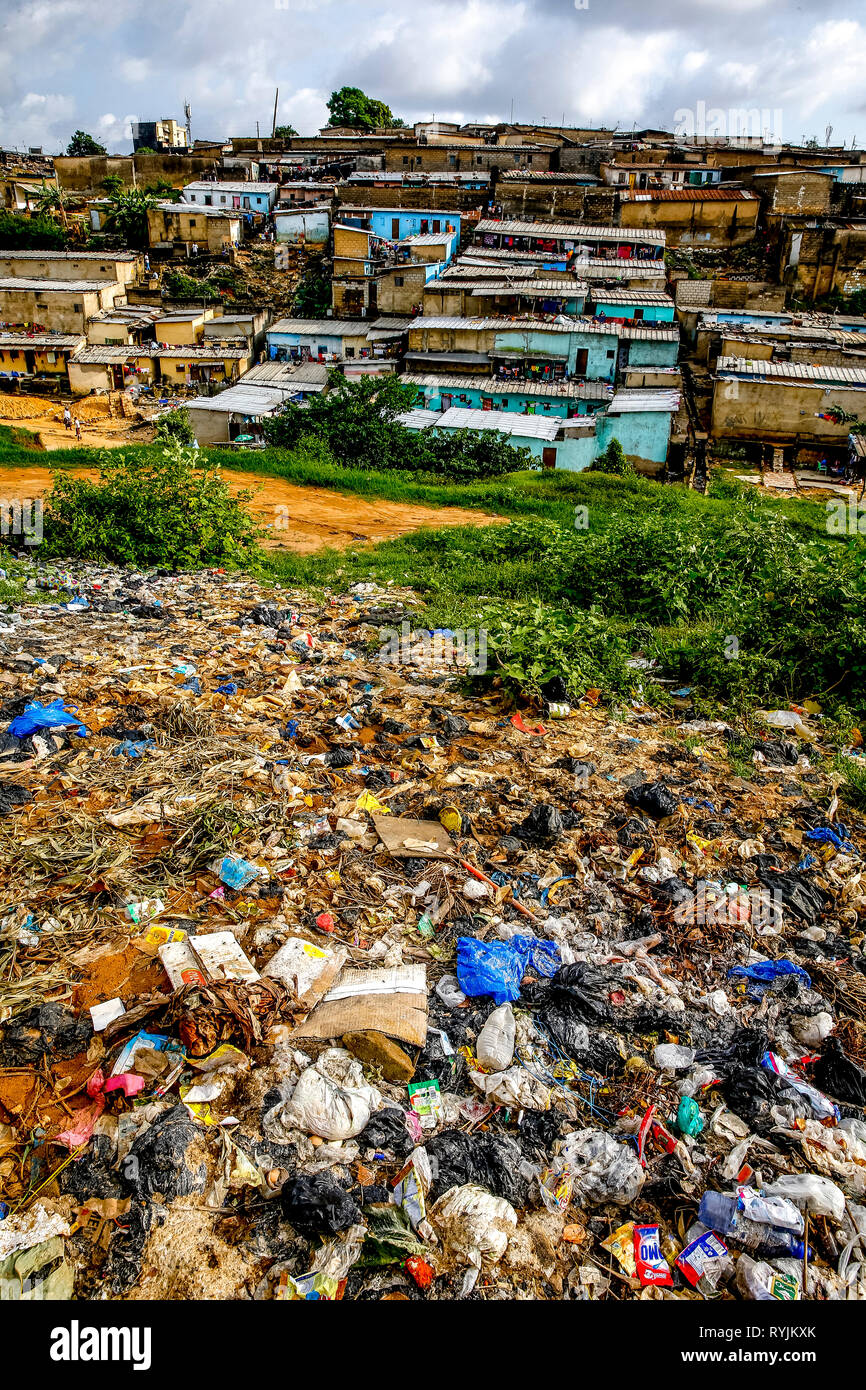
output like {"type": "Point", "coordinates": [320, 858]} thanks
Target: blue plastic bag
{"type": "Point", "coordinates": [38, 716]}
{"type": "Point", "coordinates": [237, 872]}
{"type": "Point", "coordinates": [765, 972]}
{"type": "Point", "coordinates": [490, 967]}
{"type": "Point", "coordinates": [497, 967]}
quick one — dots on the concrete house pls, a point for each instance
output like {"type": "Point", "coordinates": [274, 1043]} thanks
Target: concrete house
{"type": "Point", "coordinates": [123, 267]}
{"type": "Point", "coordinates": [641, 420]}
{"type": "Point", "coordinates": [568, 241]}
{"type": "Point", "coordinates": [299, 225]}
{"type": "Point", "coordinates": [510, 295]}
{"type": "Point", "coordinates": [184, 230]}
{"type": "Point", "coordinates": [46, 355]}
{"type": "Point", "coordinates": [710, 217]}
{"type": "Point", "coordinates": [560, 399]}
{"type": "Point", "coordinates": [362, 259]}
{"type": "Point", "coordinates": [542, 350]}
{"type": "Point", "coordinates": [319, 340]}
{"type": "Point", "coordinates": [114, 368]}
{"type": "Point", "coordinates": [786, 404]}
{"type": "Point", "coordinates": [63, 306]}
{"type": "Point", "coordinates": [232, 196]}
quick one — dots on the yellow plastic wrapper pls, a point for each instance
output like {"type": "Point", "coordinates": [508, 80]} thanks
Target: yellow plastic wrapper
{"type": "Point", "coordinates": [621, 1246]}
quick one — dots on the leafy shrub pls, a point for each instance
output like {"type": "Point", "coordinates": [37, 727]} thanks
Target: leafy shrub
{"type": "Point", "coordinates": [359, 422]}
{"type": "Point", "coordinates": [175, 425]}
{"type": "Point", "coordinates": [614, 460]}
{"type": "Point", "coordinates": [156, 509]}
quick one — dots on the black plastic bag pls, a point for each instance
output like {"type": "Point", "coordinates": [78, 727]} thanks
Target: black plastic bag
{"type": "Point", "coordinates": [544, 823]}
{"type": "Point", "coordinates": [492, 1160]}
{"type": "Point", "coordinates": [654, 798]}
{"type": "Point", "coordinates": [839, 1076]}
{"type": "Point", "coordinates": [318, 1205]}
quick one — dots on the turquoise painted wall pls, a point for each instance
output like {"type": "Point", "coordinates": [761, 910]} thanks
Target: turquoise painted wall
{"type": "Point", "coordinates": [643, 354]}
{"type": "Point", "coordinates": [643, 434]}
{"type": "Point", "coordinates": [652, 313]}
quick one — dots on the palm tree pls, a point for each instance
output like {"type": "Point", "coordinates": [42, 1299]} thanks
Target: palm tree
{"type": "Point", "coordinates": [50, 199]}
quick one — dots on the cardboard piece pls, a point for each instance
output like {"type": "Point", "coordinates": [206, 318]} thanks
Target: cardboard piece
{"type": "Point", "coordinates": [222, 957]}
{"type": "Point", "coordinates": [392, 1001]}
{"type": "Point", "coordinates": [306, 969]}
{"type": "Point", "coordinates": [406, 838]}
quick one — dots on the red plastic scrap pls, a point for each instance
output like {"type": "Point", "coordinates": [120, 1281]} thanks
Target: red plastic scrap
{"type": "Point", "coordinates": [422, 1272]}
{"type": "Point", "coordinates": [517, 721]}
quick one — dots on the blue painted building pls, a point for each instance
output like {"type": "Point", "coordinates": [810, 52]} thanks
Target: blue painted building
{"type": "Point", "coordinates": [394, 224]}
{"type": "Point", "coordinates": [626, 306]}
{"type": "Point", "coordinates": [557, 400]}
{"type": "Point", "coordinates": [640, 420]}
{"type": "Point", "coordinates": [233, 196]}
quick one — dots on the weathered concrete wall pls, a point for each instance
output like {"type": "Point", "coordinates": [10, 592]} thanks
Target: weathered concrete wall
{"type": "Point", "coordinates": [779, 412]}
{"type": "Point", "coordinates": [84, 174]}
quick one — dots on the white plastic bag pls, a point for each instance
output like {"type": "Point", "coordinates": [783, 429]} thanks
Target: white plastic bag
{"type": "Point", "coordinates": [514, 1088]}
{"type": "Point", "coordinates": [332, 1099]}
{"type": "Point", "coordinates": [811, 1193]}
{"type": "Point", "coordinates": [474, 1225]}
{"type": "Point", "coordinates": [603, 1170]}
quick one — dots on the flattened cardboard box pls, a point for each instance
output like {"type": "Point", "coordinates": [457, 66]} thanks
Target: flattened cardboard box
{"type": "Point", "coordinates": [393, 1002]}
{"type": "Point", "coordinates": [405, 838]}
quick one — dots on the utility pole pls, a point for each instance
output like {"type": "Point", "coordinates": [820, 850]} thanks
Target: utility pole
{"type": "Point", "coordinates": [274, 126]}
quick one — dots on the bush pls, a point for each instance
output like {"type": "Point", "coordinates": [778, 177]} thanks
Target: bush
{"type": "Point", "coordinates": [359, 422]}
{"type": "Point", "coordinates": [175, 425]}
{"type": "Point", "coordinates": [39, 233]}
{"type": "Point", "coordinates": [161, 509]}
{"type": "Point", "coordinates": [613, 460]}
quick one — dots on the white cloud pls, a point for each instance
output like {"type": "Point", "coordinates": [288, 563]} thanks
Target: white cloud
{"type": "Point", "coordinates": [136, 69]}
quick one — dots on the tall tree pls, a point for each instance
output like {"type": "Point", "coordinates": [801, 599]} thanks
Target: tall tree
{"type": "Point", "coordinates": [352, 107]}
{"type": "Point", "coordinates": [84, 144]}
{"type": "Point", "coordinates": [284, 132]}
{"type": "Point", "coordinates": [127, 216]}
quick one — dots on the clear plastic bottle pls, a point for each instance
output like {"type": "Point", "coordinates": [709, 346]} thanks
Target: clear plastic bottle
{"type": "Point", "coordinates": [495, 1045]}
{"type": "Point", "coordinates": [722, 1214]}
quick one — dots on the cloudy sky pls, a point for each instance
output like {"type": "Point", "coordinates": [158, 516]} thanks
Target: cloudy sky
{"type": "Point", "coordinates": [66, 64]}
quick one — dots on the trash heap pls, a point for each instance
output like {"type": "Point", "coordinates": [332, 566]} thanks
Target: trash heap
{"type": "Point", "coordinates": [323, 978]}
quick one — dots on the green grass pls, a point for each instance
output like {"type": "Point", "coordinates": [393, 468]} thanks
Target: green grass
{"type": "Point", "coordinates": [593, 568]}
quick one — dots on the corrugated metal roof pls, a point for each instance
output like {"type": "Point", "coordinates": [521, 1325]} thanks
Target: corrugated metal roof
{"type": "Point", "coordinates": [118, 352]}
{"type": "Point", "coordinates": [491, 385]}
{"type": "Point", "coordinates": [544, 176]}
{"type": "Point", "coordinates": [21, 283]}
{"type": "Point", "coordinates": [650, 333]}
{"type": "Point", "coordinates": [198, 210]}
{"type": "Point", "coordinates": [694, 193]}
{"type": "Point", "coordinates": [542, 289]}
{"type": "Point", "coordinates": [467, 359]}
{"type": "Point", "coordinates": [419, 419]}
{"type": "Point", "coordinates": [103, 354]}
{"type": "Point", "coordinates": [230, 185]}
{"type": "Point", "coordinates": [427, 239]}
{"type": "Point", "coordinates": [42, 340]}
{"type": "Point", "coordinates": [322, 328]}
{"type": "Point", "coordinates": [638, 297]}
{"type": "Point", "coordinates": [792, 371]}
{"type": "Point", "coordinates": [284, 373]}
{"type": "Point", "coordinates": [242, 400]}
{"type": "Point", "coordinates": [505, 421]}
{"type": "Point", "coordinates": [592, 267]}
{"type": "Point", "coordinates": [629, 402]}
{"type": "Point", "coordinates": [351, 209]}
{"type": "Point", "coordinates": [66, 256]}
{"type": "Point", "coordinates": [572, 231]}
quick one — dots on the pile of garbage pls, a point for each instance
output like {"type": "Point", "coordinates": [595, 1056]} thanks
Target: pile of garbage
{"type": "Point", "coordinates": [324, 978]}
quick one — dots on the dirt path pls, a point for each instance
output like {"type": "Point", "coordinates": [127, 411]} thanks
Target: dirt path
{"type": "Point", "coordinates": [303, 519]}
{"type": "Point", "coordinates": [44, 418]}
